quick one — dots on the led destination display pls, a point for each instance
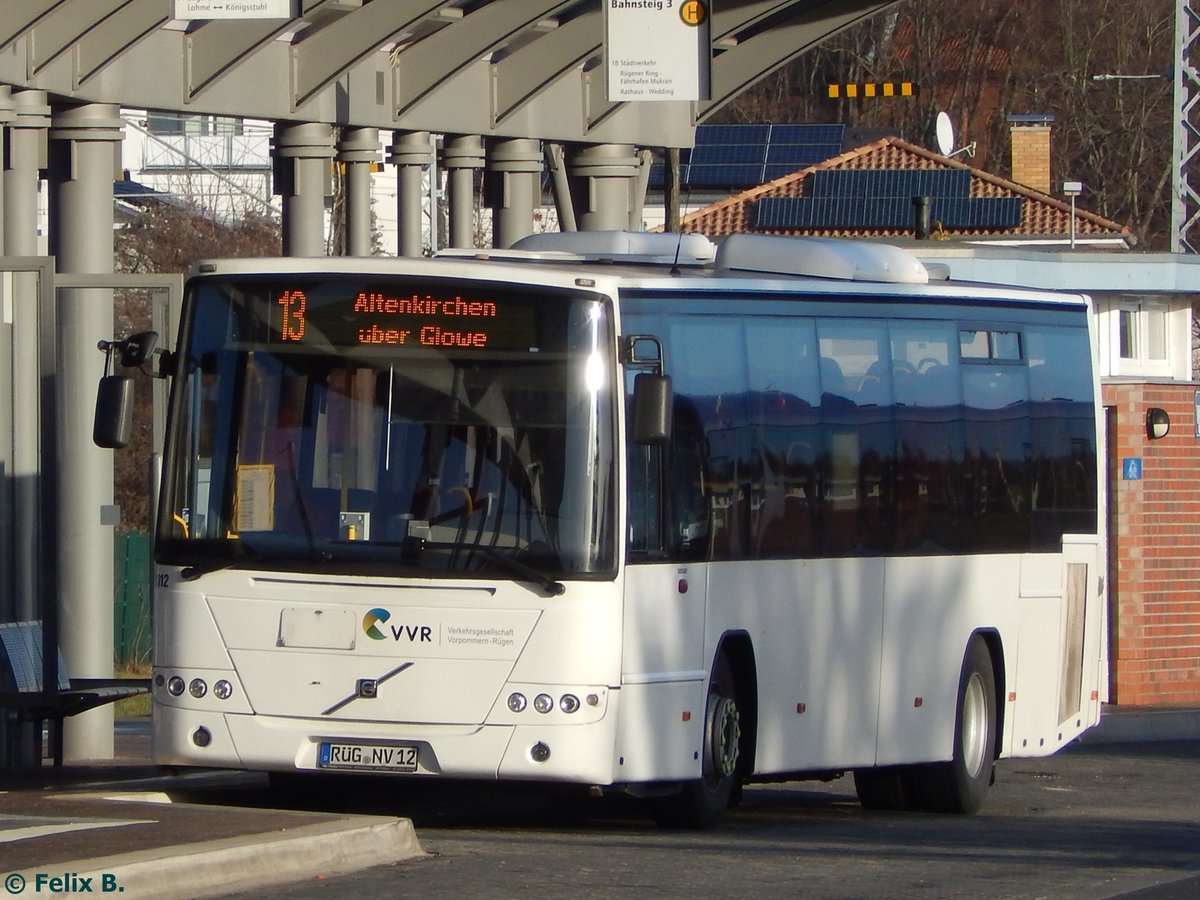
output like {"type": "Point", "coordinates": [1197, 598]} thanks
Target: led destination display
{"type": "Point", "coordinates": [347, 316]}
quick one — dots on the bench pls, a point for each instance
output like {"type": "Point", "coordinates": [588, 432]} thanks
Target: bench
{"type": "Point", "coordinates": [25, 699]}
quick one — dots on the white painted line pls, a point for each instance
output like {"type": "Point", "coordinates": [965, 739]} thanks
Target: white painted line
{"type": "Point", "coordinates": [10, 835]}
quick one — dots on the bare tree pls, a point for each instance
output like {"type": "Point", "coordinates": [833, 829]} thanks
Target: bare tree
{"type": "Point", "coordinates": [1106, 77]}
{"type": "Point", "coordinates": [987, 60]}
{"type": "Point", "coordinates": [167, 237]}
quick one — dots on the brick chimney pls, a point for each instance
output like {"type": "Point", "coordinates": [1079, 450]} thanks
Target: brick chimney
{"type": "Point", "coordinates": [1030, 136]}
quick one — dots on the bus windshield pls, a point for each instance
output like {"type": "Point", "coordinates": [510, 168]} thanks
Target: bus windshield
{"type": "Point", "coordinates": [371, 424]}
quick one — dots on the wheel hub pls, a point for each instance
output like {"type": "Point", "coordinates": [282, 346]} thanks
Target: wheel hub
{"type": "Point", "coordinates": [725, 737]}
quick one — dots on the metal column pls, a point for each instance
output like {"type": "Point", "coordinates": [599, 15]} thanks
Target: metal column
{"type": "Point", "coordinates": [601, 177]}
{"type": "Point", "coordinates": [556, 165]}
{"type": "Point", "coordinates": [8, 426]}
{"type": "Point", "coordinates": [26, 150]}
{"type": "Point", "coordinates": [303, 154]}
{"type": "Point", "coordinates": [6, 115]}
{"type": "Point", "coordinates": [1185, 196]}
{"type": "Point", "coordinates": [410, 153]}
{"type": "Point", "coordinates": [462, 157]}
{"type": "Point", "coordinates": [84, 141]}
{"type": "Point", "coordinates": [514, 170]}
{"type": "Point", "coordinates": [26, 155]}
{"type": "Point", "coordinates": [358, 150]}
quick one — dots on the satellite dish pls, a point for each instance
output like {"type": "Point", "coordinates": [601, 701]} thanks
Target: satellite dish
{"type": "Point", "coordinates": [944, 132]}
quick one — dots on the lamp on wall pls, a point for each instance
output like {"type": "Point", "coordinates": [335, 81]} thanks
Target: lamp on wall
{"type": "Point", "coordinates": [1158, 423]}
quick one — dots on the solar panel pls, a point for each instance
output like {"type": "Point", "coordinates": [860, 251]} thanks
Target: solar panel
{"type": "Point", "coordinates": [807, 134]}
{"type": "Point", "coordinates": [979, 212]}
{"type": "Point", "coordinates": [884, 212]}
{"type": "Point", "coordinates": [903, 183]}
{"type": "Point", "coordinates": [723, 176]}
{"type": "Point", "coordinates": [732, 134]}
{"type": "Point", "coordinates": [729, 154]}
{"type": "Point", "coordinates": [658, 176]}
{"type": "Point", "coordinates": [798, 156]}
{"type": "Point", "coordinates": [735, 156]}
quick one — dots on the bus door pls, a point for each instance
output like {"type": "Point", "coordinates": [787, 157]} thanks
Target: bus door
{"type": "Point", "coordinates": [1060, 683]}
{"type": "Point", "coordinates": [667, 534]}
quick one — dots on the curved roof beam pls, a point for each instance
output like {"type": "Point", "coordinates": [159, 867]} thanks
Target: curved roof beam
{"type": "Point", "coordinates": [20, 15]}
{"type": "Point", "coordinates": [320, 56]}
{"type": "Point", "coordinates": [770, 44]}
{"type": "Point", "coordinates": [729, 19]}
{"type": "Point", "coordinates": [519, 76]}
{"type": "Point", "coordinates": [215, 48]}
{"type": "Point", "coordinates": [64, 26]}
{"type": "Point", "coordinates": [423, 66]}
{"type": "Point", "coordinates": [108, 39]}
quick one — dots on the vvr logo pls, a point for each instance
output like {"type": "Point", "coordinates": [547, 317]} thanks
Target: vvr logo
{"type": "Point", "coordinates": [414, 634]}
{"type": "Point", "coordinates": [370, 620]}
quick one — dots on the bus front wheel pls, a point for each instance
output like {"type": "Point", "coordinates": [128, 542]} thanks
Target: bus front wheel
{"type": "Point", "coordinates": [700, 804]}
{"type": "Point", "coordinates": [960, 785]}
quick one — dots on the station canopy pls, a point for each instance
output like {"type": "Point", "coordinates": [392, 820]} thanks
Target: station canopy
{"type": "Point", "coordinates": [504, 68]}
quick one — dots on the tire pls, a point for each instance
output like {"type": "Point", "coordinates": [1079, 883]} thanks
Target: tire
{"type": "Point", "coordinates": [884, 789]}
{"type": "Point", "coordinates": [959, 786]}
{"type": "Point", "coordinates": [700, 804]}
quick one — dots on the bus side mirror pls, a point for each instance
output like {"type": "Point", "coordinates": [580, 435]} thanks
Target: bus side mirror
{"type": "Point", "coordinates": [652, 405]}
{"type": "Point", "coordinates": [112, 427]}
{"type": "Point", "coordinates": [136, 349]}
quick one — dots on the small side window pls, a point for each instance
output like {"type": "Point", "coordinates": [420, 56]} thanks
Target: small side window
{"type": "Point", "coordinates": [992, 345]}
{"type": "Point", "coordinates": [1006, 345]}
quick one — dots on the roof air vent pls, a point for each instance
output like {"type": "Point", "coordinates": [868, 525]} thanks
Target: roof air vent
{"type": "Point", "coordinates": [820, 258]}
{"type": "Point", "coordinates": [639, 246]}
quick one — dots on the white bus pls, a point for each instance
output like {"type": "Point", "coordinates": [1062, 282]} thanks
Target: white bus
{"type": "Point", "coordinates": [644, 514]}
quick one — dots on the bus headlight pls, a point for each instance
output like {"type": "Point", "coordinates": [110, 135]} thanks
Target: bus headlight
{"type": "Point", "coordinates": [568, 703]}
{"type": "Point", "coordinates": [543, 703]}
{"type": "Point", "coordinates": [175, 686]}
{"type": "Point", "coordinates": [222, 690]}
{"type": "Point", "coordinates": [198, 688]}
{"type": "Point", "coordinates": [517, 702]}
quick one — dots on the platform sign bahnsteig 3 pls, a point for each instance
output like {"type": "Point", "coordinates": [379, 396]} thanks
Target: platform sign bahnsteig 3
{"type": "Point", "coordinates": [657, 49]}
{"type": "Point", "coordinates": [234, 9]}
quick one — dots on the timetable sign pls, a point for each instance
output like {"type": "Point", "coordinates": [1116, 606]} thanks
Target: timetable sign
{"type": "Point", "coordinates": [233, 9]}
{"type": "Point", "coordinates": [657, 49]}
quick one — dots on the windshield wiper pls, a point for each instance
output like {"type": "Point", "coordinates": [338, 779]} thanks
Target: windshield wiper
{"type": "Point", "coordinates": [243, 556]}
{"type": "Point", "coordinates": [524, 570]}
{"type": "Point", "coordinates": [195, 570]}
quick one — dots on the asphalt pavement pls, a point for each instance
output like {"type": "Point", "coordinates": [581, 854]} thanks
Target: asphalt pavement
{"type": "Point", "coordinates": [126, 826]}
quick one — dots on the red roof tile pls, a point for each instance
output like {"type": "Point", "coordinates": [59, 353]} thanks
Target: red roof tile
{"type": "Point", "coordinates": [1042, 214]}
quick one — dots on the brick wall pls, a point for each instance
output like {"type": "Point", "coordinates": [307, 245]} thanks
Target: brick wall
{"type": "Point", "coordinates": [1155, 611]}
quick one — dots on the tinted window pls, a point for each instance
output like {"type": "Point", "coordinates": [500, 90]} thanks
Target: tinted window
{"type": "Point", "coordinates": [836, 435]}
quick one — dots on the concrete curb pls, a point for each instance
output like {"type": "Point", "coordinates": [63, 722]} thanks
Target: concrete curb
{"type": "Point", "coordinates": [1144, 726]}
{"type": "Point", "coordinates": [216, 868]}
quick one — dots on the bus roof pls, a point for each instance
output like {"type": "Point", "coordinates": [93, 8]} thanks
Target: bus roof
{"type": "Point", "coordinates": [643, 259]}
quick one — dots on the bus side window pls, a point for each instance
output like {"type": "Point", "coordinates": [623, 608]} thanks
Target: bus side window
{"type": "Point", "coordinates": [689, 514]}
{"type": "Point", "coordinates": [644, 498]}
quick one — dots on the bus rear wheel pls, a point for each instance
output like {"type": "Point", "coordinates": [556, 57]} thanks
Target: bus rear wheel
{"type": "Point", "coordinates": [960, 785]}
{"type": "Point", "coordinates": [700, 804]}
